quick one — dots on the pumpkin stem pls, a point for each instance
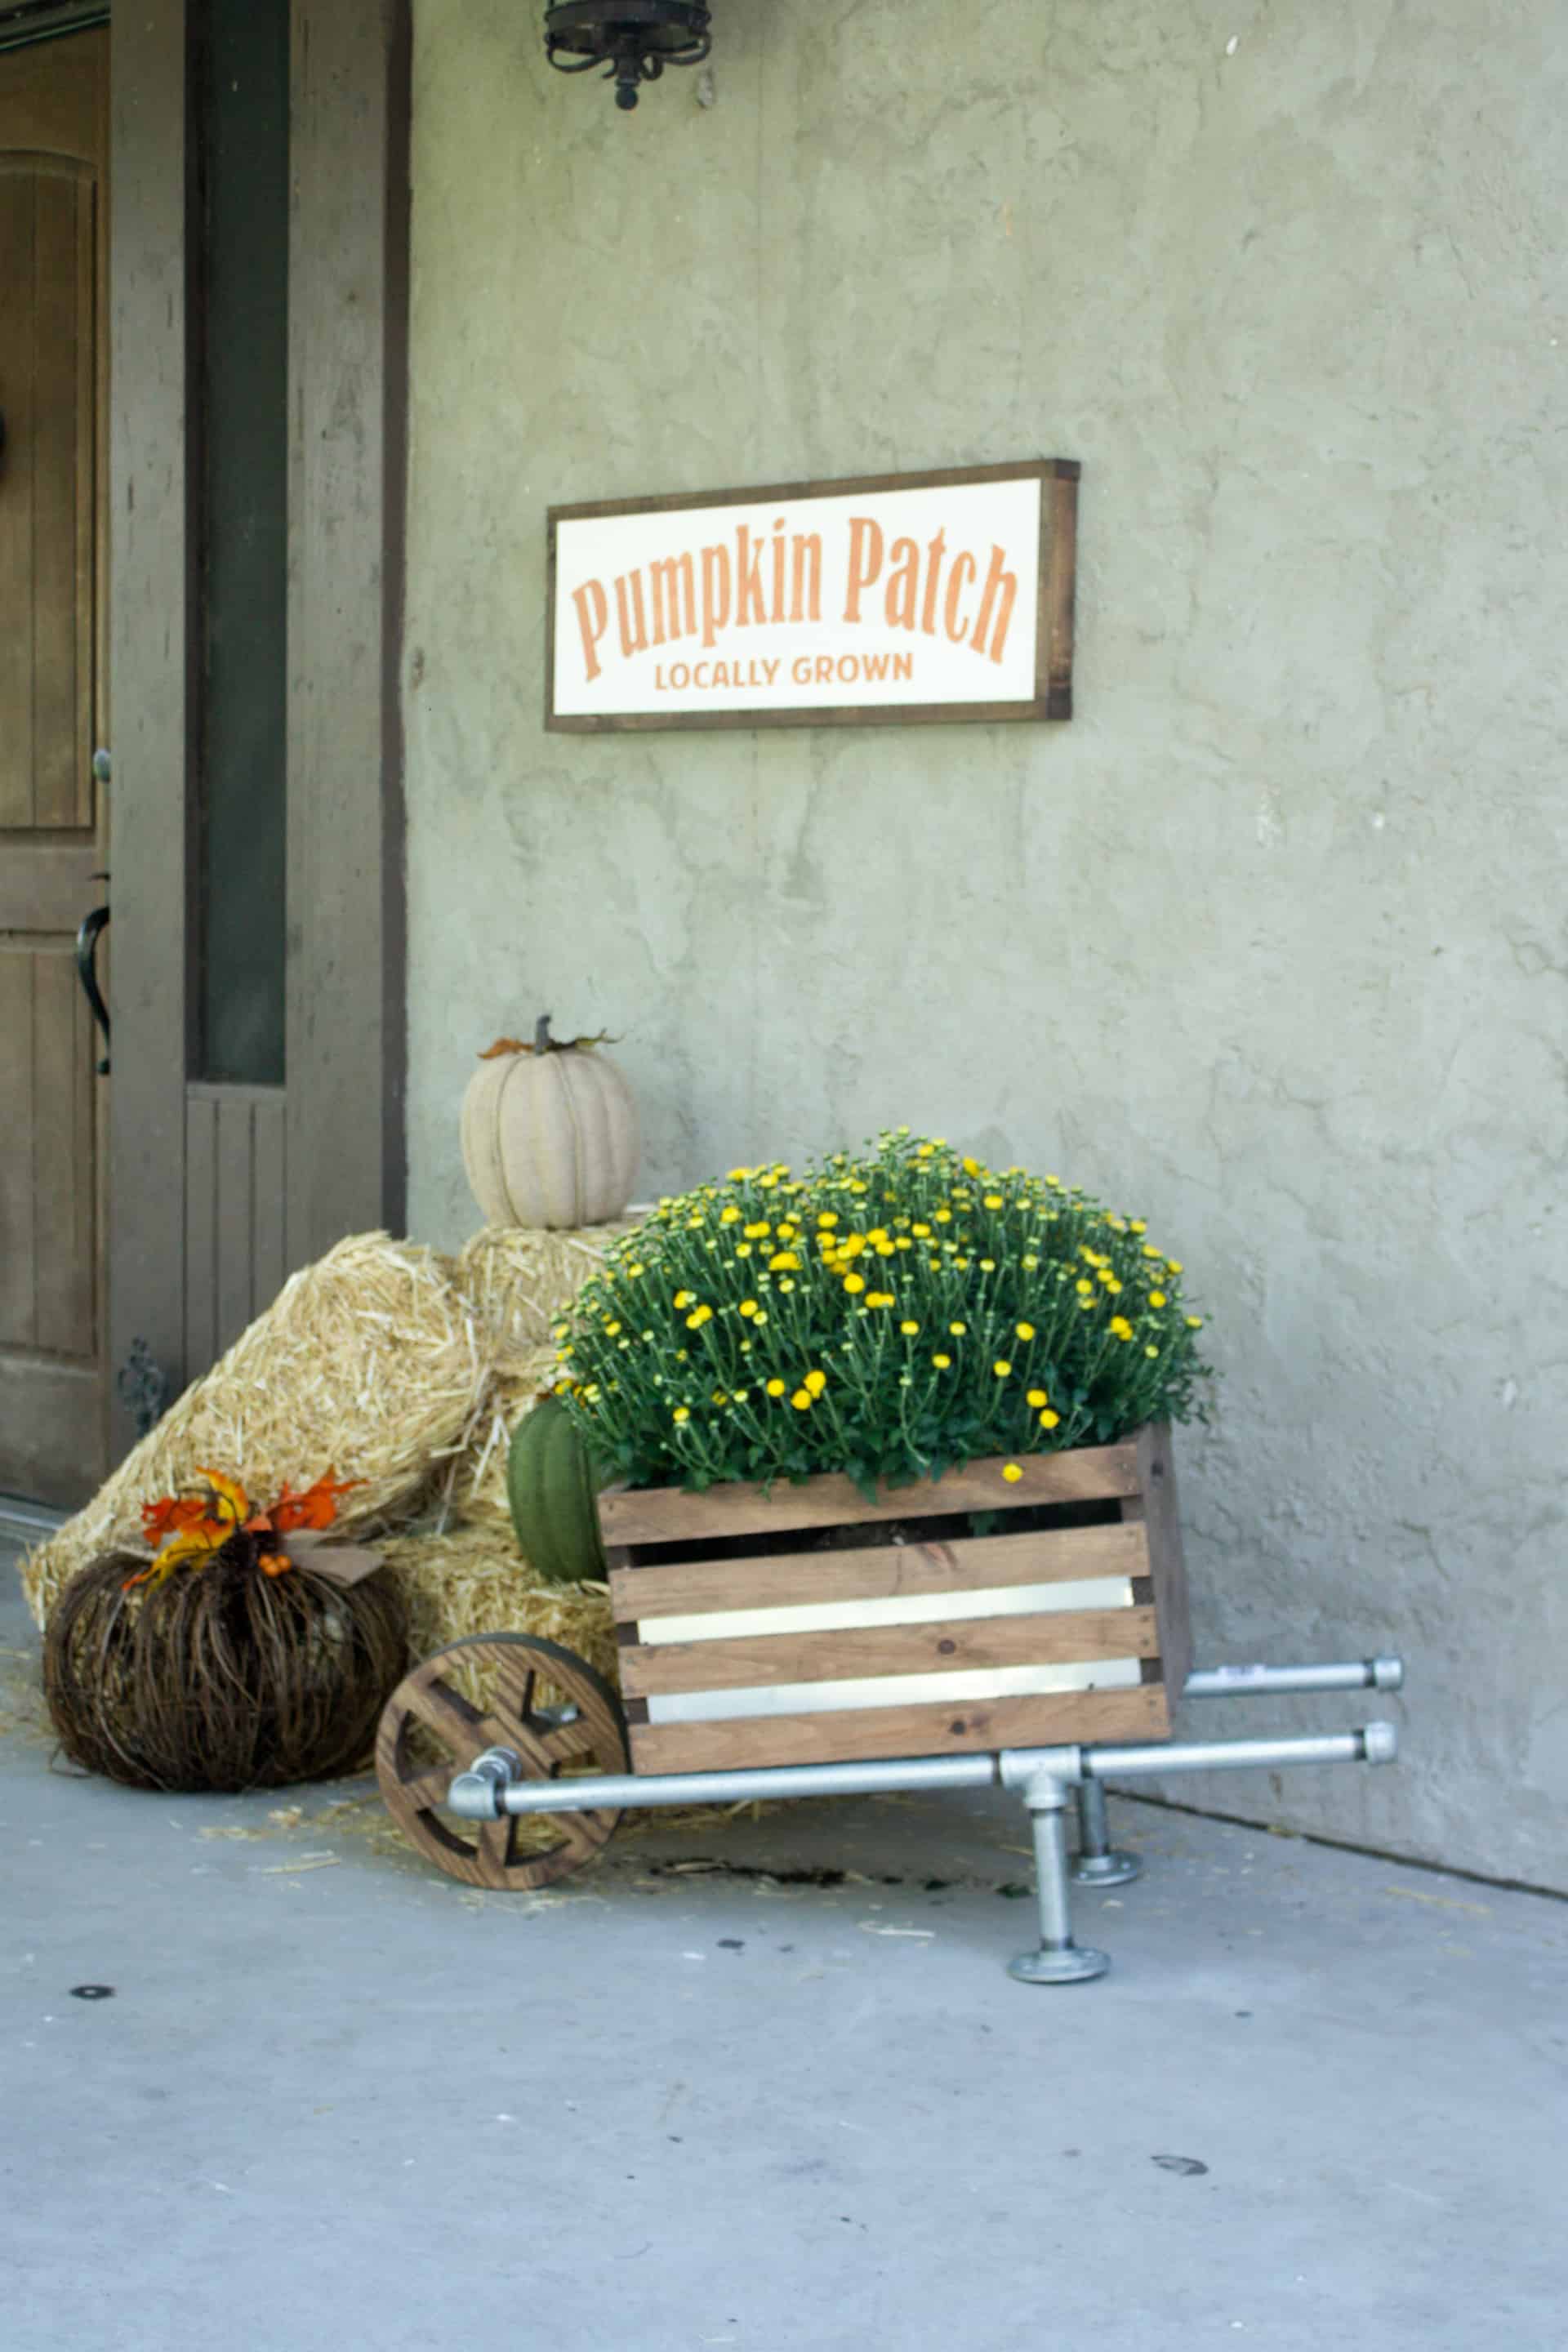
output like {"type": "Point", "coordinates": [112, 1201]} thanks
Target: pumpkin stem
{"type": "Point", "coordinates": [543, 1043]}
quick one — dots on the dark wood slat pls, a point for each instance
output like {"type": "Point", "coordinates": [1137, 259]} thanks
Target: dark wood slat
{"type": "Point", "coordinates": [150, 606]}
{"type": "Point", "coordinates": [669, 1515]}
{"type": "Point", "coordinates": [62, 449]}
{"type": "Point", "coordinates": [1072, 1716]}
{"type": "Point", "coordinates": [17, 343]}
{"type": "Point", "coordinates": [1157, 1475]}
{"type": "Point", "coordinates": [50, 887]}
{"type": "Point", "coordinates": [62, 1159]}
{"type": "Point", "coordinates": [19, 1256]}
{"type": "Point", "coordinates": [269, 1265]}
{"type": "Point", "coordinates": [236, 1177]}
{"type": "Point", "coordinates": [347, 398]}
{"type": "Point", "coordinates": [1069, 1637]}
{"type": "Point", "coordinates": [877, 1572]}
{"type": "Point", "coordinates": [201, 1236]}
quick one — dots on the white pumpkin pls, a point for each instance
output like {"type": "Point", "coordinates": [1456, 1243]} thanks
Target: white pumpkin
{"type": "Point", "coordinates": [551, 1134]}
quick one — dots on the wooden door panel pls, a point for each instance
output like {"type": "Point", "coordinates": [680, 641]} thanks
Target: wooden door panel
{"type": "Point", "coordinates": [53, 260]}
{"type": "Point", "coordinates": [46, 1187]}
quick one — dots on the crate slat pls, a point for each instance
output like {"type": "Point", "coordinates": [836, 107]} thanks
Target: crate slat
{"type": "Point", "coordinates": [878, 1572]}
{"type": "Point", "coordinates": [656, 1514]}
{"type": "Point", "coordinates": [1072, 1637]}
{"type": "Point", "coordinates": [888, 1731]}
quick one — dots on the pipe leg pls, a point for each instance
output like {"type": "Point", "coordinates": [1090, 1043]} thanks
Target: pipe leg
{"type": "Point", "coordinates": [1099, 1863]}
{"type": "Point", "coordinates": [1058, 1960]}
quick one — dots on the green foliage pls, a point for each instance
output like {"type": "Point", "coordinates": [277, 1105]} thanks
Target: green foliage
{"type": "Point", "coordinates": [886, 1317]}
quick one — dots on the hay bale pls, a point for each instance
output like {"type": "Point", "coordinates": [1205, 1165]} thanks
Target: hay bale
{"type": "Point", "coordinates": [474, 1579]}
{"type": "Point", "coordinates": [367, 1363]}
{"type": "Point", "coordinates": [517, 1281]}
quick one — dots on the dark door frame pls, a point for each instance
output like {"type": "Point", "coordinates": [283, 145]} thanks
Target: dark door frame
{"type": "Point", "coordinates": [340, 1115]}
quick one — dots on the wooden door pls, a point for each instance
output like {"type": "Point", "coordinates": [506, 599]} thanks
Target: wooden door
{"type": "Point", "coordinates": [53, 356]}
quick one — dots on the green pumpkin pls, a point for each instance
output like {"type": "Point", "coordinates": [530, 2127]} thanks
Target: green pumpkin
{"type": "Point", "coordinates": [553, 1492]}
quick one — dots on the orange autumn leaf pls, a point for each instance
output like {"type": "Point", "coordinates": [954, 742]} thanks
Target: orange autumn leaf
{"type": "Point", "coordinates": [505, 1046]}
{"type": "Point", "coordinates": [316, 1507]}
{"type": "Point", "coordinates": [170, 1513]}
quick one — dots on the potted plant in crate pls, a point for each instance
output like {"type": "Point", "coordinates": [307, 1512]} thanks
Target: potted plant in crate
{"type": "Point", "coordinates": [877, 1459]}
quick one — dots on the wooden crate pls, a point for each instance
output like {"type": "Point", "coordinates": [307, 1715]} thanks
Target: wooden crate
{"type": "Point", "coordinates": [747, 1639]}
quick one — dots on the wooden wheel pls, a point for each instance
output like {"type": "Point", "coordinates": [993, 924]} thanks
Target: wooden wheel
{"type": "Point", "coordinates": [500, 1690]}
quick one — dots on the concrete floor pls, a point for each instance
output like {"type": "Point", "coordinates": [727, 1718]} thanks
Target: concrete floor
{"type": "Point", "coordinates": [338, 2100]}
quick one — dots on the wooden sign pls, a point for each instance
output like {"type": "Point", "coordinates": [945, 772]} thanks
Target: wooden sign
{"type": "Point", "coordinates": [900, 598]}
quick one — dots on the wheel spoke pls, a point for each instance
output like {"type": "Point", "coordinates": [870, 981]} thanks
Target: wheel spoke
{"type": "Point", "coordinates": [495, 1845]}
{"type": "Point", "coordinates": [448, 1714]}
{"type": "Point", "coordinates": [428, 1789]}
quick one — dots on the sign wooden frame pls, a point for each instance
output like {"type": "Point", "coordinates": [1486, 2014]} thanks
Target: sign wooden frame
{"type": "Point", "coordinates": [1052, 697]}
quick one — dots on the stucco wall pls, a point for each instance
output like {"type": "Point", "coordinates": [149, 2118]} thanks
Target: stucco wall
{"type": "Point", "coordinates": [1268, 945]}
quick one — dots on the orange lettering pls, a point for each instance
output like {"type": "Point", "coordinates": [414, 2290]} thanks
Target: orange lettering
{"type": "Point", "coordinates": [593, 620]}
{"type": "Point", "coordinates": [715, 592]}
{"type": "Point", "coordinates": [673, 581]}
{"type": "Point", "coordinates": [865, 560]}
{"type": "Point", "coordinates": [808, 547]}
{"type": "Point", "coordinates": [957, 626]}
{"type": "Point", "coordinates": [933, 561]}
{"type": "Point", "coordinates": [631, 643]}
{"type": "Point", "coordinates": [749, 605]}
{"type": "Point", "coordinates": [1002, 583]}
{"type": "Point", "coordinates": [901, 585]}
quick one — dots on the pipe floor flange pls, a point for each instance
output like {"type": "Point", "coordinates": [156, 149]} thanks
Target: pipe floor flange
{"type": "Point", "coordinates": [1113, 1868]}
{"type": "Point", "coordinates": [1067, 1964]}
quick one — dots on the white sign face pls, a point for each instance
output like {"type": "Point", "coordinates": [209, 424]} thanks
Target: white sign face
{"type": "Point", "coordinates": [944, 597]}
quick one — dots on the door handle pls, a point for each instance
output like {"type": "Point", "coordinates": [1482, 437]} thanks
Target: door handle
{"type": "Point", "coordinates": [90, 930]}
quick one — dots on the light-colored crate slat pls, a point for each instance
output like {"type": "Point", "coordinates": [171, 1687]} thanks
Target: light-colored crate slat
{"type": "Point", "coordinates": [885, 1731]}
{"type": "Point", "coordinates": [669, 1515]}
{"type": "Point", "coordinates": [877, 1572]}
{"type": "Point", "coordinates": [1030, 1635]}
{"type": "Point", "coordinates": [1072, 1637]}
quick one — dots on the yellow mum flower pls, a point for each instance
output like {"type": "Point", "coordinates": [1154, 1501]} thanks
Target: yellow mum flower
{"type": "Point", "coordinates": [1038, 1396]}
{"type": "Point", "coordinates": [698, 1316]}
{"type": "Point", "coordinates": [909, 1329]}
{"type": "Point", "coordinates": [943, 1364]}
{"type": "Point", "coordinates": [1152, 1352]}
{"type": "Point", "coordinates": [776, 1388]}
{"type": "Point", "coordinates": [635, 1270]}
{"type": "Point", "coordinates": [1149, 1251]}
{"type": "Point", "coordinates": [684, 1297]}
{"type": "Point", "coordinates": [738, 1175]}
{"type": "Point", "coordinates": [879, 1298]}
{"type": "Point", "coordinates": [1138, 1226]}
{"type": "Point", "coordinates": [1011, 1471]}
{"type": "Point", "coordinates": [942, 1216]}
{"type": "Point", "coordinates": [1000, 1368]}
{"type": "Point", "coordinates": [815, 1383]}
{"type": "Point", "coordinates": [788, 1282]}
{"type": "Point", "coordinates": [801, 1400]}
{"type": "Point", "coordinates": [971, 1167]}
{"type": "Point", "coordinates": [1195, 1322]}
{"type": "Point", "coordinates": [1049, 1419]}
{"type": "Point", "coordinates": [783, 1262]}
{"type": "Point", "coordinates": [1175, 1264]}
{"type": "Point", "coordinates": [729, 1215]}
{"type": "Point", "coordinates": [1156, 1299]}
{"type": "Point", "coordinates": [1114, 1287]}
{"type": "Point", "coordinates": [827, 1218]}
{"type": "Point", "coordinates": [854, 1281]}
{"type": "Point", "coordinates": [958, 1329]}
{"type": "Point", "coordinates": [920, 1233]}
{"type": "Point", "coordinates": [757, 1233]}
{"type": "Point", "coordinates": [748, 1306]}
{"type": "Point", "coordinates": [1025, 1330]}
{"type": "Point", "coordinates": [1119, 1327]}
{"type": "Point", "coordinates": [611, 1329]}
{"type": "Point", "coordinates": [1085, 1288]}
{"type": "Point", "coordinates": [682, 1413]}
{"type": "Point", "coordinates": [993, 1201]}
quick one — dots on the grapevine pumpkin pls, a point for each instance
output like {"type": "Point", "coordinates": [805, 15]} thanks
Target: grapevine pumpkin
{"type": "Point", "coordinates": [550, 1130]}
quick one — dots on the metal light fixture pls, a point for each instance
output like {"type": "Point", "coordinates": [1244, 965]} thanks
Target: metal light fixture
{"type": "Point", "coordinates": [636, 39]}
